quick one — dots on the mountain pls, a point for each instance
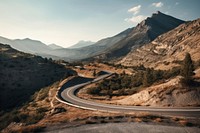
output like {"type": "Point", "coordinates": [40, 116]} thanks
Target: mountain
{"type": "Point", "coordinates": [68, 54]}
{"type": "Point", "coordinates": [54, 46]}
{"type": "Point", "coordinates": [143, 33]}
{"type": "Point", "coordinates": [109, 48]}
{"type": "Point", "coordinates": [102, 45]}
{"type": "Point", "coordinates": [81, 44]}
{"type": "Point", "coordinates": [167, 50]}
{"type": "Point", "coordinates": [22, 74]}
{"type": "Point", "coordinates": [27, 45]}
{"type": "Point", "coordinates": [32, 46]}
{"type": "Point", "coordinates": [89, 51]}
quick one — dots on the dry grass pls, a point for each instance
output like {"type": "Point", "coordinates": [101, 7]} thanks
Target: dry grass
{"type": "Point", "coordinates": [157, 120]}
{"type": "Point", "coordinates": [183, 122]}
{"type": "Point", "coordinates": [138, 120]}
{"type": "Point", "coordinates": [101, 66]}
{"type": "Point", "coordinates": [175, 118]}
{"type": "Point", "coordinates": [28, 129]}
{"type": "Point", "coordinates": [75, 116]}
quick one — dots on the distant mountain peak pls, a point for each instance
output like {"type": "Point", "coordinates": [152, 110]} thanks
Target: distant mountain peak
{"type": "Point", "coordinates": [157, 12]}
{"type": "Point", "coordinates": [26, 39]}
{"type": "Point", "coordinates": [82, 43]}
{"type": "Point", "coordinates": [159, 17]}
{"type": "Point", "coordinates": [158, 23]}
{"type": "Point", "coordinates": [54, 46]}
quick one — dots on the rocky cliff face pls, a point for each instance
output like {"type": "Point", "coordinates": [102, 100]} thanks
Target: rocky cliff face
{"type": "Point", "coordinates": [165, 50]}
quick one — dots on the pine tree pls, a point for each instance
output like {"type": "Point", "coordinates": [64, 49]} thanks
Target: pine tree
{"type": "Point", "coordinates": [187, 69]}
{"type": "Point", "coordinates": [147, 77]}
{"type": "Point", "coordinates": [94, 73]}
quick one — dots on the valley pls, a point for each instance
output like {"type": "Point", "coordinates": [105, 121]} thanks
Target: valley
{"type": "Point", "coordinates": [145, 78]}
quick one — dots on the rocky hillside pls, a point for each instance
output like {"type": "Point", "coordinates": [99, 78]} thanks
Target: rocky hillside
{"type": "Point", "coordinates": [170, 93]}
{"type": "Point", "coordinates": [143, 33]}
{"type": "Point", "coordinates": [168, 49]}
{"type": "Point", "coordinates": [22, 74]}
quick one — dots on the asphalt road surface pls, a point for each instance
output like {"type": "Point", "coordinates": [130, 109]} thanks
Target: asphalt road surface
{"type": "Point", "coordinates": [124, 128]}
{"type": "Point", "coordinates": [68, 96]}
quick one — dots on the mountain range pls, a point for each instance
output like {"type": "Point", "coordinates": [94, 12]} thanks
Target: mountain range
{"type": "Point", "coordinates": [26, 45]}
{"type": "Point", "coordinates": [114, 47]}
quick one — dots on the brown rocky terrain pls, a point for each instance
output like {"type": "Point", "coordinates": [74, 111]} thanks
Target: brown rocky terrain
{"type": "Point", "coordinates": [171, 93]}
{"type": "Point", "coordinates": [168, 49]}
{"type": "Point", "coordinates": [45, 113]}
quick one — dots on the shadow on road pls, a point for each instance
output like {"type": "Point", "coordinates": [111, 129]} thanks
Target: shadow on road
{"type": "Point", "coordinates": [73, 82]}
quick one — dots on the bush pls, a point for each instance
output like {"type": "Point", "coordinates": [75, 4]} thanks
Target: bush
{"type": "Point", "coordinates": [41, 110]}
{"type": "Point", "coordinates": [32, 119]}
{"type": "Point", "coordinates": [94, 90]}
{"type": "Point", "coordinates": [120, 84]}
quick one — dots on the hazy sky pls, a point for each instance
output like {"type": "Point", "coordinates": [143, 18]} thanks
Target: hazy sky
{"type": "Point", "coordinates": [65, 22]}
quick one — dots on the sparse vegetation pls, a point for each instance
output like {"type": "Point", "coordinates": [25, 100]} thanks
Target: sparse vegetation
{"type": "Point", "coordinates": [23, 74]}
{"type": "Point", "coordinates": [30, 112]}
{"type": "Point", "coordinates": [19, 117]}
{"type": "Point", "coordinates": [124, 84]}
{"type": "Point", "coordinates": [94, 73]}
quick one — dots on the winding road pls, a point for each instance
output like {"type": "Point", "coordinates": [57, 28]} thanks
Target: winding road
{"type": "Point", "coordinates": [67, 95]}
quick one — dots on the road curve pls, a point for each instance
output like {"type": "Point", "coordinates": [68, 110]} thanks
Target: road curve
{"type": "Point", "coordinates": [67, 96]}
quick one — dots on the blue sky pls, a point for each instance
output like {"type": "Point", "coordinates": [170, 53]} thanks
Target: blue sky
{"type": "Point", "coordinates": [65, 22]}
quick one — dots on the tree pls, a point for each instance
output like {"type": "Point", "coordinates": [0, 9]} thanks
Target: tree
{"type": "Point", "coordinates": [123, 73]}
{"type": "Point", "coordinates": [45, 60]}
{"type": "Point", "coordinates": [94, 73]}
{"type": "Point", "coordinates": [110, 92]}
{"type": "Point", "coordinates": [147, 77]}
{"type": "Point", "coordinates": [50, 59]}
{"type": "Point", "coordinates": [187, 69]}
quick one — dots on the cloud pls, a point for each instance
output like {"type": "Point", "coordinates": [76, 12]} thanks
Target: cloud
{"type": "Point", "coordinates": [136, 19]}
{"type": "Point", "coordinates": [159, 4]}
{"type": "Point", "coordinates": [135, 10]}
{"type": "Point", "coordinates": [176, 3]}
